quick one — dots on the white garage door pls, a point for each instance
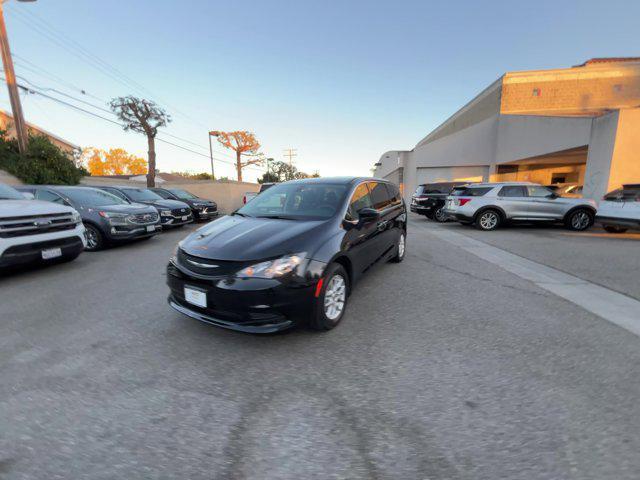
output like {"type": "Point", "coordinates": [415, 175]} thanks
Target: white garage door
{"type": "Point", "coordinates": [452, 174]}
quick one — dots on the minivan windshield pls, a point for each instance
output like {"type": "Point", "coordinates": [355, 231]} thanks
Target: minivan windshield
{"type": "Point", "coordinates": [9, 193]}
{"type": "Point", "coordinates": [90, 197]}
{"type": "Point", "coordinates": [297, 201]}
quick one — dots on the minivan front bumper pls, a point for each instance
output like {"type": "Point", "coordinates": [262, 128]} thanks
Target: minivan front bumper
{"type": "Point", "coordinates": [253, 305]}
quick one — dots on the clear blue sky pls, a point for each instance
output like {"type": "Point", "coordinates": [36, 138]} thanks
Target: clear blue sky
{"type": "Point", "coordinates": [341, 81]}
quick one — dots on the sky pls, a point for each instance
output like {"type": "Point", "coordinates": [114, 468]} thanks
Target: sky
{"type": "Point", "coordinates": [340, 81]}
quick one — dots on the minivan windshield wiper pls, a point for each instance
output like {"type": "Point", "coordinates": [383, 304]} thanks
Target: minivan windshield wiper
{"type": "Point", "coordinates": [276, 217]}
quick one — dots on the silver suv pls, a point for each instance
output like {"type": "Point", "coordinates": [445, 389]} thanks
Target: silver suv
{"type": "Point", "coordinates": [489, 205]}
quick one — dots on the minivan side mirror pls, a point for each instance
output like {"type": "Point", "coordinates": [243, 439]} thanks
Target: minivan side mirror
{"type": "Point", "coordinates": [368, 214]}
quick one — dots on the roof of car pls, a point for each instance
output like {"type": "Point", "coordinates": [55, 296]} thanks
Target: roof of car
{"type": "Point", "coordinates": [339, 180]}
{"type": "Point", "coordinates": [495, 184]}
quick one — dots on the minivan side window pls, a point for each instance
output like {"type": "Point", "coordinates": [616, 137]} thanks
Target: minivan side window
{"type": "Point", "coordinates": [394, 194]}
{"type": "Point", "coordinates": [379, 195]}
{"type": "Point", "coordinates": [359, 200]}
{"type": "Point", "coordinates": [512, 191]}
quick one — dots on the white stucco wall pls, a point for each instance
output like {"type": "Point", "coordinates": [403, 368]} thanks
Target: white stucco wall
{"type": "Point", "coordinates": [528, 136]}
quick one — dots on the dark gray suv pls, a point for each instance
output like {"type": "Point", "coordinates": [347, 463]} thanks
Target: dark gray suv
{"type": "Point", "coordinates": [107, 218]}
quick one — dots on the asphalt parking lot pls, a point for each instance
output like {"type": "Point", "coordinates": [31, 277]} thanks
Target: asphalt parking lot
{"type": "Point", "coordinates": [446, 366]}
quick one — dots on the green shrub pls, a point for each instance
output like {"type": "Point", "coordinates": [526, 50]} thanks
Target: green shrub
{"type": "Point", "coordinates": [43, 163]}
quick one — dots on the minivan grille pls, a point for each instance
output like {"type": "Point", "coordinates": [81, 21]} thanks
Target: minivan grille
{"type": "Point", "coordinates": [143, 218]}
{"type": "Point", "coordinates": [36, 224]}
{"type": "Point", "coordinates": [208, 267]}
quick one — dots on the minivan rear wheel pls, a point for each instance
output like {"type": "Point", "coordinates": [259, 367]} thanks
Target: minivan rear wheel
{"type": "Point", "coordinates": [488, 220]}
{"type": "Point", "coordinates": [332, 300]}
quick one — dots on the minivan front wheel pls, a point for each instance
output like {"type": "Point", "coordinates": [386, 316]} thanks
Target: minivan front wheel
{"type": "Point", "coordinates": [488, 220]}
{"type": "Point", "coordinates": [332, 298]}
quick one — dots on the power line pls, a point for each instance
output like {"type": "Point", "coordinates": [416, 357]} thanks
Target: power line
{"type": "Point", "coordinates": [80, 109]}
{"type": "Point", "coordinates": [290, 152]}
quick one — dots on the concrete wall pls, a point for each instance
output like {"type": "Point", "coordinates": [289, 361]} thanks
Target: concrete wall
{"type": "Point", "coordinates": [528, 136]}
{"type": "Point", "coordinates": [625, 164]}
{"type": "Point", "coordinates": [8, 179]}
{"type": "Point", "coordinates": [228, 195]}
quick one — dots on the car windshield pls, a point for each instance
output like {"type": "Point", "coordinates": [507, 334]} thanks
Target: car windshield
{"type": "Point", "coordinates": [182, 193]}
{"type": "Point", "coordinates": [90, 197]}
{"type": "Point", "coordinates": [297, 201]}
{"type": "Point", "coordinates": [9, 193]}
{"type": "Point", "coordinates": [141, 194]}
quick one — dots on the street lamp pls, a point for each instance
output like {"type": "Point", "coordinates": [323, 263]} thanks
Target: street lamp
{"type": "Point", "coordinates": [10, 74]}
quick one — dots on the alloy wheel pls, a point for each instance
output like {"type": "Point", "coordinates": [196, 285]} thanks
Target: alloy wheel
{"type": "Point", "coordinates": [334, 297]}
{"type": "Point", "coordinates": [92, 238]}
{"type": "Point", "coordinates": [580, 220]}
{"type": "Point", "coordinates": [440, 216]}
{"type": "Point", "coordinates": [401, 246]}
{"type": "Point", "coordinates": [489, 220]}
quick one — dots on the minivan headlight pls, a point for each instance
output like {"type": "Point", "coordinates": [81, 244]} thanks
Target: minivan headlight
{"type": "Point", "coordinates": [273, 268]}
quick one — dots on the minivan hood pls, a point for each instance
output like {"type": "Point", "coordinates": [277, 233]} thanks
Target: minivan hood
{"type": "Point", "coordinates": [23, 208]}
{"type": "Point", "coordinates": [237, 238]}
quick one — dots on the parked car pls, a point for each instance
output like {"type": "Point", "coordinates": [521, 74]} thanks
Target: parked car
{"type": "Point", "coordinates": [489, 205]}
{"type": "Point", "coordinates": [201, 208]}
{"type": "Point", "coordinates": [248, 196]}
{"type": "Point", "coordinates": [107, 219]}
{"type": "Point", "coordinates": [619, 210]}
{"type": "Point", "coordinates": [34, 231]}
{"type": "Point", "coordinates": [571, 190]}
{"type": "Point", "coordinates": [293, 254]}
{"type": "Point", "coordinates": [429, 199]}
{"type": "Point", "coordinates": [172, 212]}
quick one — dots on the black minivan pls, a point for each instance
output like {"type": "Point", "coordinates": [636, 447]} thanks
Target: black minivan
{"type": "Point", "coordinates": [290, 256]}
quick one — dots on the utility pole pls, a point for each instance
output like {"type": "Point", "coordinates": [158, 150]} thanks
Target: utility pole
{"type": "Point", "coordinates": [211, 155]}
{"type": "Point", "coordinates": [14, 96]}
{"type": "Point", "coordinates": [291, 152]}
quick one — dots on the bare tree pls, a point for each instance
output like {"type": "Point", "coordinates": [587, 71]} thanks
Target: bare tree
{"type": "Point", "coordinates": [244, 144]}
{"type": "Point", "coordinates": [142, 116]}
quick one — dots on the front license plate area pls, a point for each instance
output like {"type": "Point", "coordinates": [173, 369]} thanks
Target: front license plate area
{"type": "Point", "coordinates": [50, 253]}
{"type": "Point", "coordinates": [151, 228]}
{"type": "Point", "coordinates": [195, 297]}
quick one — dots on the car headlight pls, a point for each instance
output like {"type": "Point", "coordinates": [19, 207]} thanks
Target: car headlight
{"type": "Point", "coordinates": [165, 213]}
{"type": "Point", "coordinates": [76, 217]}
{"type": "Point", "coordinates": [113, 215]}
{"type": "Point", "coordinates": [273, 268]}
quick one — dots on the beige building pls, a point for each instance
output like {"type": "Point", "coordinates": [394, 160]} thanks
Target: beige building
{"type": "Point", "coordinates": [573, 125]}
{"type": "Point", "coordinates": [6, 123]}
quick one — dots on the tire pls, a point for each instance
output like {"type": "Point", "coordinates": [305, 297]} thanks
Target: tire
{"type": "Point", "coordinates": [401, 248]}
{"type": "Point", "coordinates": [579, 220]}
{"type": "Point", "coordinates": [94, 237]}
{"type": "Point", "coordinates": [439, 215]}
{"type": "Point", "coordinates": [324, 318]}
{"type": "Point", "coordinates": [488, 220]}
{"type": "Point", "coordinates": [614, 229]}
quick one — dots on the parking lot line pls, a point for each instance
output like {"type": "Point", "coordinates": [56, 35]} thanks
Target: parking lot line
{"type": "Point", "coordinates": [610, 305]}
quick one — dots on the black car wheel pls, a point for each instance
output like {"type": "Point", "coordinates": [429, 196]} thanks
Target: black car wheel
{"type": "Point", "coordinates": [488, 220]}
{"type": "Point", "coordinates": [94, 237]}
{"type": "Point", "coordinates": [614, 229]}
{"type": "Point", "coordinates": [332, 300]}
{"type": "Point", "coordinates": [440, 216]}
{"type": "Point", "coordinates": [400, 248]}
{"type": "Point", "coordinates": [579, 220]}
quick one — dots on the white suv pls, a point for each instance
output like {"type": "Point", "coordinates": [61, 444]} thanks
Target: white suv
{"type": "Point", "coordinates": [35, 231]}
{"type": "Point", "coordinates": [489, 205]}
{"type": "Point", "coordinates": [620, 210]}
